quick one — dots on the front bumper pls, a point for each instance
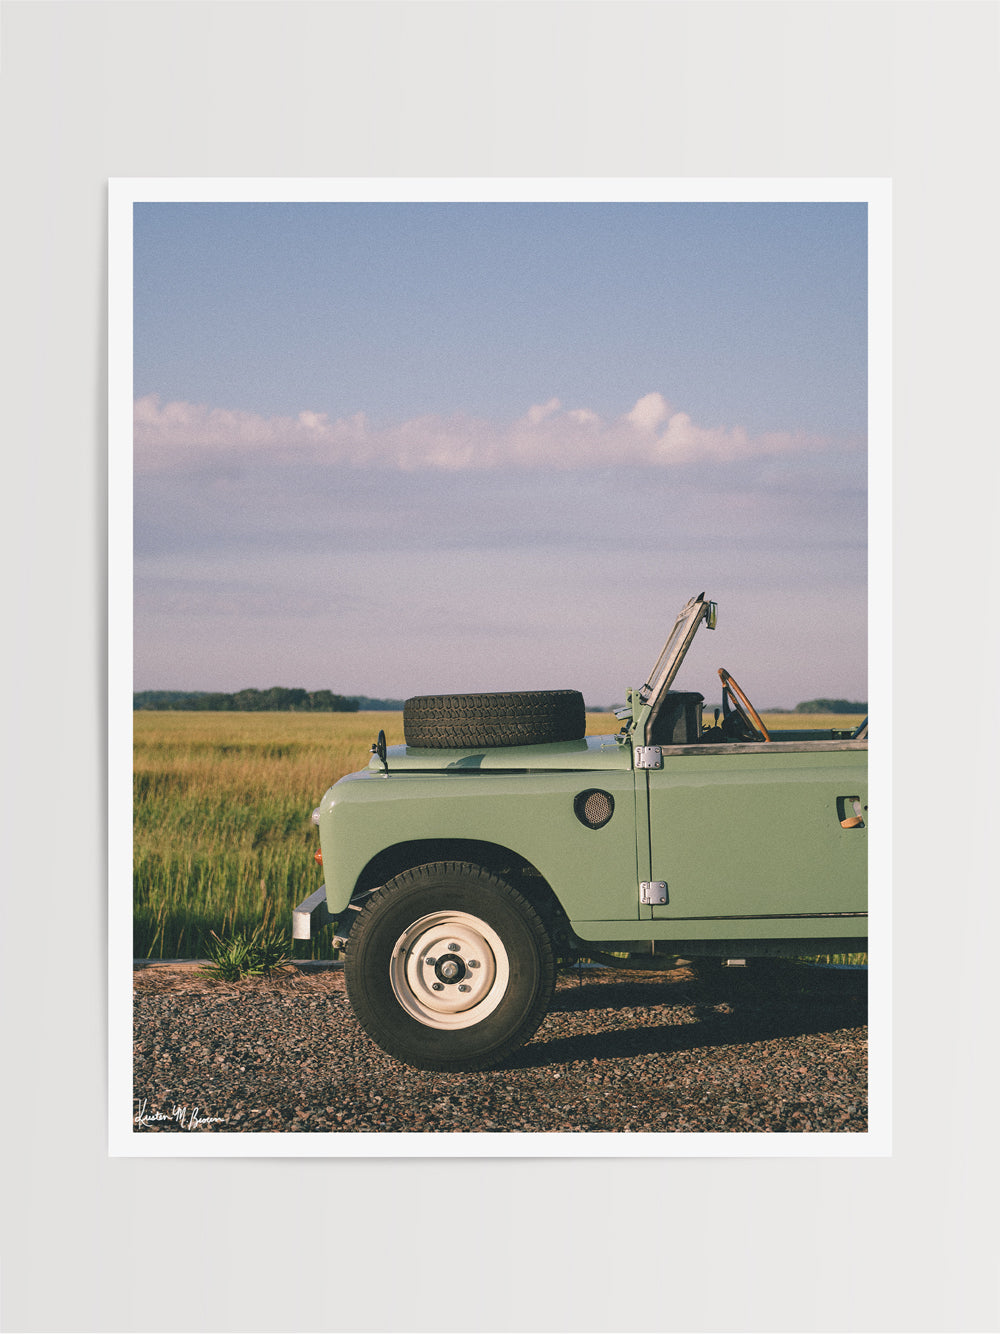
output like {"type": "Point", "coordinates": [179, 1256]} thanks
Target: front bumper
{"type": "Point", "coordinates": [311, 914]}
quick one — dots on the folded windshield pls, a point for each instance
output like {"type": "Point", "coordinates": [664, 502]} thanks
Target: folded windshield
{"type": "Point", "coordinates": [678, 641]}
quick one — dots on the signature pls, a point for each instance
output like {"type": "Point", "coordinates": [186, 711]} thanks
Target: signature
{"type": "Point", "coordinates": [179, 1113]}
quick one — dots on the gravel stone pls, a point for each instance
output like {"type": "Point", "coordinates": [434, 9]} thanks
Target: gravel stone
{"type": "Point", "coordinates": [772, 1048]}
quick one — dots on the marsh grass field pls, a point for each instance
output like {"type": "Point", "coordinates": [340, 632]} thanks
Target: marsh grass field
{"type": "Point", "coordinates": [222, 836]}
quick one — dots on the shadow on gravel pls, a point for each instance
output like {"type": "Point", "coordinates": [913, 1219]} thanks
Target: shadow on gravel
{"type": "Point", "coordinates": [728, 1011]}
{"type": "Point", "coordinates": [771, 986]}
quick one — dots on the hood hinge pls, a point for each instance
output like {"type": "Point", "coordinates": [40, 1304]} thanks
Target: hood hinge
{"type": "Point", "coordinates": [648, 757]}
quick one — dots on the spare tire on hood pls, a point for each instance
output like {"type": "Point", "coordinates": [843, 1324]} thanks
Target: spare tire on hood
{"type": "Point", "coordinates": [513, 718]}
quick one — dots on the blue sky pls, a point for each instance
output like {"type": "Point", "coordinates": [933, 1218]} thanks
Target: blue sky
{"type": "Point", "coordinates": [403, 448]}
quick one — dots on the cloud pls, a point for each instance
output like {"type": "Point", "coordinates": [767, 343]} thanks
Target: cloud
{"type": "Point", "coordinates": [651, 411]}
{"type": "Point", "coordinates": [542, 410]}
{"type": "Point", "coordinates": [178, 435]}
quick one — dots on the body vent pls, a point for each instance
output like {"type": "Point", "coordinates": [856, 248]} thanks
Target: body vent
{"type": "Point", "coordinates": [594, 808]}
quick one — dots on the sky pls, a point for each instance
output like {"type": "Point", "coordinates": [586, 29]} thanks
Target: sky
{"type": "Point", "coordinates": [418, 448]}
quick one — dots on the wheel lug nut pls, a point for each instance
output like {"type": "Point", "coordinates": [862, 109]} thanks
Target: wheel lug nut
{"type": "Point", "coordinates": [454, 948]}
{"type": "Point", "coordinates": [429, 962]}
{"type": "Point", "coordinates": [438, 986]}
{"type": "Point", "coordinates": [473, 963]}
{"type": "Point", "coordinates": [463, 987]}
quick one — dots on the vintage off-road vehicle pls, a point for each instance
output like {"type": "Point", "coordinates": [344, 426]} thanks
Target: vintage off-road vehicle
{"type": "Point", "coordinates": [500, 839]}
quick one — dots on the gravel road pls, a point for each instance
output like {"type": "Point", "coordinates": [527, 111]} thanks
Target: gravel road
{"type": "Point", "coordinates": [769, 1048]}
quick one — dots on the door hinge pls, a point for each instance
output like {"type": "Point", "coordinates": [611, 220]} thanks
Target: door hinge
{"type": "Point", "coordinates": [648, 757]}
{"type": "Point", "coordinates": [652, 891]}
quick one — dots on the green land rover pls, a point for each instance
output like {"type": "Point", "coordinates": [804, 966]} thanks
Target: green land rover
{"type": "Point", "coordinates": [500, 839]}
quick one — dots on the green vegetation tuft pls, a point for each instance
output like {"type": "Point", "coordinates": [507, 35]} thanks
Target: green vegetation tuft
{"type": "Point", "coordinates": [260, 953]}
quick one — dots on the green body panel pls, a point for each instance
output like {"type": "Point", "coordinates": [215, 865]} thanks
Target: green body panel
{"type": "Point", "coordinates": [591, 753]}
{"type": "Point", "coordinates": [527, 812]}
{"type": "Point", "coordinates": [747, 837]}
{"type": "Point", "coordinates": [758, 832]}
{"type": "Point", "coordinates": [724, 928]}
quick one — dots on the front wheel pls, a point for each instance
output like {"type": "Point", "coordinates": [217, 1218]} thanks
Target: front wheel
{"type": "Point", "coordinates": [449, 968]}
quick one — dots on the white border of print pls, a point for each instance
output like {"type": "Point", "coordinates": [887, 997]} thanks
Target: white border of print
{"type": "Point", "coordinates": [124, 1140]}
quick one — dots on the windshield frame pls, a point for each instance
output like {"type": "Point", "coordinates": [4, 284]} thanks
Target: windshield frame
{"type": "Point", "coordinates": [668, 664]}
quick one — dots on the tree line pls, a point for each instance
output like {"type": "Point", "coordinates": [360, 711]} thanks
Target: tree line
{"type": "Point", "coordinates": [279, 699]}
{"type": "Point", "coordinates": [832, 706]}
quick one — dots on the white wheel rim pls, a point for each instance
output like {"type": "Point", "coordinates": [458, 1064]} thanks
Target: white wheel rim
{"type": "Point", "coordinates": [449, 970]}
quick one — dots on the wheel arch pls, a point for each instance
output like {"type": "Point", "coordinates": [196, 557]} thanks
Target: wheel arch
{"type": "Point", "coordinates": [519, 873]}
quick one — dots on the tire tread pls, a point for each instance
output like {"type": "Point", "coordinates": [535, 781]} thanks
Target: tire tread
{"type": "Point", "coordinates": [506, 718]}
{"type": "Point", "coordinates": [356, 965]}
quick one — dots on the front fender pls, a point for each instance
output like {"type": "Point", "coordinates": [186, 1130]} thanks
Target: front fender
{"type": "Point", "coordinates": [593, 872]}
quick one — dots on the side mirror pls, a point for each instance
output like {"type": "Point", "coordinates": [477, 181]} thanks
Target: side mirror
{"type": "Point", "coordinates": [378, 748]}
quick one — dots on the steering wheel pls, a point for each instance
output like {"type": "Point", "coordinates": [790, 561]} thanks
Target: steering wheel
{"type": "Point", "coordinates": [734, 701]}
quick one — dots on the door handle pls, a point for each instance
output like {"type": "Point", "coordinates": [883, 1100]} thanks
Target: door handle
{"type": "Point", "coordinates": [849, 813]}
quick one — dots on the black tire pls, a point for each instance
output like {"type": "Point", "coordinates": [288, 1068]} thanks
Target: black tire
{"type": "Point", "coordinates": [468, 1008]}
{"type": "Point", "coordinates": [515, 718]}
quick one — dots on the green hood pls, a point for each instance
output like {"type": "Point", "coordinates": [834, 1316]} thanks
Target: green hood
{"type": "Point", "coordinates": [593, 752]}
